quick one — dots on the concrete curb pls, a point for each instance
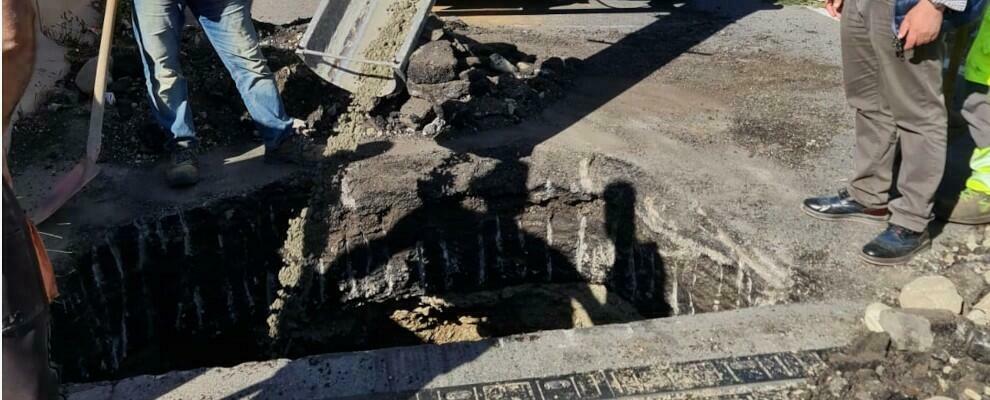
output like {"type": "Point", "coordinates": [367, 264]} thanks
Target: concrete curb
{"type": "Point", "coordinates": [633, 359]}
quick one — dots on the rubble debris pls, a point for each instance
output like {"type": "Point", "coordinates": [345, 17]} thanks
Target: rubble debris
{"type": "Point", "coordinates": [867, 351]}
{"type": "Point", "coordinates": [871, 317]}
{"type": "Point", "coordinates": [935, 354]}
{"type": "Point", "coordinates": [474, 86]}
{"type": "Point", "coordinates": [416, 113]}
{"type": "Point", "coordinates": [525, 68]}
{"type": "Point", "coordinates": [980, 314]}
{"type": "Point", "coordinates": [86, 77]}
{"type": "Point", "coordinates": [433, 62]}
{"type": "Point", "coordinates": [933, 292]}
{"type": "Point", "coordinates": [472, 62]}
{"type": "Point", "coordinates": [500, 64]}
{"type": "Point", "coordinates": [440, 93]}
{"type": "Point", "coordinates": [907, 331]}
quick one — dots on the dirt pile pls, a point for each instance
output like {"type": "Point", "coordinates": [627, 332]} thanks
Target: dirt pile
{"type": "Point", "coordinates": [922, 350]}
{"type": "Point", "coordinates": [455, 82]}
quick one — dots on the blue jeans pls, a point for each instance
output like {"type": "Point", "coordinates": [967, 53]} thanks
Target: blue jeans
{"type": "Point", "coordinates": [227, 24]}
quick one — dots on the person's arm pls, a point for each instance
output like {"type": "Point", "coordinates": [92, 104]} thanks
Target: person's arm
{"type": "Point", "coordinates": [18, 59]}
{"type": "Point", "coordinates": [18, 52]}
{"type": "Point", "coordinates": [923, 23]}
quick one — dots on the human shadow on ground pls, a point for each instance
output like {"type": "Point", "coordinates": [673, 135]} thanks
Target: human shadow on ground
{"type": "Point", "coordinates": [503, 197]}
{"type": "Point", "coordinates": [504, 193]}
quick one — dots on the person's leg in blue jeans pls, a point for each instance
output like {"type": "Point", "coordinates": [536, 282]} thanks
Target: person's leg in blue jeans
{"type": "Point", "coordinates": [228, 26]}
{"type": "Point", "coordinates": [158, 30]}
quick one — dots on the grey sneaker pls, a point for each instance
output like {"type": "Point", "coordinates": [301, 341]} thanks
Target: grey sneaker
{"type": "Point", "coordinates": [183, 168]}
{"type": "Point", "coordinates": [295, 149]}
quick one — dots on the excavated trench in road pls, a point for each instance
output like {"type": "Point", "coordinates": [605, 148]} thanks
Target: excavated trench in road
{"type": "Point", "coordinates": [263, 274]}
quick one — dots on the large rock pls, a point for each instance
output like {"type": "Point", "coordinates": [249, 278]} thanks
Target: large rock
{"type": "Point", "coordinates": [86, 77]}
{"type": "Point", "coordinates": [441, 92]}
{"type": "Point", "coordinates": [868, 351]}
{"type": "Point", "coordinates": [944, 324]}
{"type": "Point", "coordinates": [969, 283]}
{"type": "Point", "coordinates": [909, 332]}
{"type": "Point", "coordinates": [416, 113]}
{"type": "Point", "coordinates": [432, 63]}
{"type": "Point", "coordinates": [932, 292]}
{"type": "Point", "coordinates": [974, 340]}
{"type": "Point", "coordinates": [871, 316]}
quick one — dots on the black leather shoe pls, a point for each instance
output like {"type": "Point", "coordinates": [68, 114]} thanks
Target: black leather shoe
{"type": "Point", "coordinates": [896, 245]}
{"type": "Point", "coordinates": [843, 207]}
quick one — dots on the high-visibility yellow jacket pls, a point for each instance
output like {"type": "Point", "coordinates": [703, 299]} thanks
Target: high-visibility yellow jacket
{"type": "Point", "coordinates": [978, 61]}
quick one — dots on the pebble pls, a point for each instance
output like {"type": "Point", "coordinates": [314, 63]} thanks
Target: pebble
{"type": "Point", "coordinates": [986, 277]}
{"type": "Point", "coordinates": [972, 395]}
{"type": "Point", "coordinates": [871, 317]}
{"type": "Point", "coordinates": [499, 63]}
{"type": "Point", "coordinates": [931, 292]}
{"type": "Point", "coordinates": [837, 386]}
{"type": "Point", "coordinates": [939, 398]}
{"type": "Point", "coordinates": [908, 332]}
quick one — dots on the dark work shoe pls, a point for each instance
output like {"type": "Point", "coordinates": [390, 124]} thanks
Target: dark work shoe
{"type": "Point", "coordinates": [183, 168]}
{"type": "Point", "coordinates": [843, 207]}
{"type": "Point", "coordinates": [295, 149]}
{"type": "Point", "coordinates": [896, 245]}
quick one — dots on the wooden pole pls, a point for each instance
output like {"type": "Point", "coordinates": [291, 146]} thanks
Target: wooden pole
{"type": "Point", "coordinates": [94, 141]}
{"type": "Point", "coordinates": [73, 181]}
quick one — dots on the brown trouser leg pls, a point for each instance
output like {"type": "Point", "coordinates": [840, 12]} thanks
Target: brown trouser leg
{"type": "Point", "coordinates": [896, 100]}
{"type": "Point", "coordinates": [25, 310]}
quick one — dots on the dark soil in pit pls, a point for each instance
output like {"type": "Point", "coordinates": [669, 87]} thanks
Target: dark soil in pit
{"type": "Point", "coordinates": [195, 288]}
{"type": "Point", "coordinates": [394, 258]}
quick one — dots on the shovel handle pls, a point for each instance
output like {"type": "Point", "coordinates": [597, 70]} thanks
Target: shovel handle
{"type": "Point", "coordinates": [94, 140]}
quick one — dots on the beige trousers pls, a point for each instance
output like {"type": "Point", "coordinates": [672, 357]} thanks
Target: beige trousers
{"type": "Point", "coordinates": [898, 101]}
